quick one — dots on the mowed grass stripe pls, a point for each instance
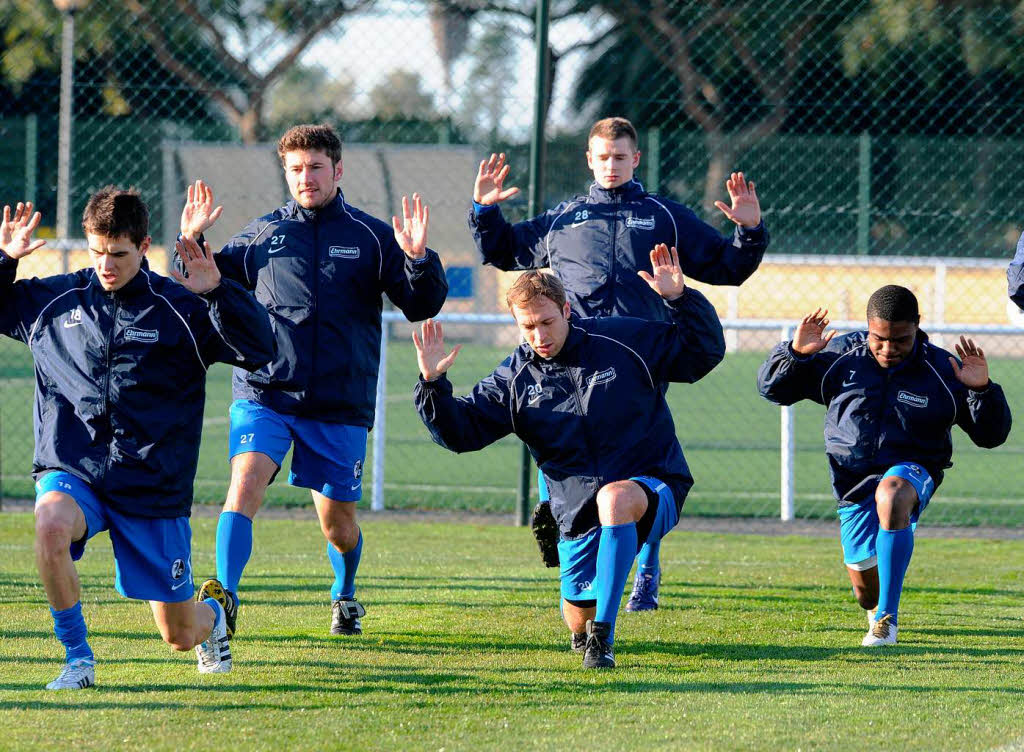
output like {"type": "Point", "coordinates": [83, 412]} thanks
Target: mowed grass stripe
{"type": "Point", "coordinates": [756, 646]}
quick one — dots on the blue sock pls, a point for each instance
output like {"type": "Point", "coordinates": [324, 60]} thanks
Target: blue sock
{"type": "Point", "coordinates": [647, 560]}
{"type": "Point", "coordinates": [615, 553]}
{"type": "Point", "coordinates": [234, 547]}
{"type": "Point", "coordinates": [218, 612]}
{"type": "Point", "coordinates": [894, 549]}
{"type": "Point", "coordinates": [345, 566]}
{"type": "Point", "coordinates": [69, 626]}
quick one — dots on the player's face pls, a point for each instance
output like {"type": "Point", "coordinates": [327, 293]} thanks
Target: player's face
{"type": "Point", "coordinates": [116, 260]}
{"type": "Point", "coordinates": [312, 178]}
{"type": "Point", "coordinates": [543, 325]}
{"type": "Point", "coordinates": [613, 162]}
{"type": "Point", "coordinates": [891, 342]}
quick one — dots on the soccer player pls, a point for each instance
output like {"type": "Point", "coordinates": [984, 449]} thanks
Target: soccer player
{"type": "Point", "coordinates": [1015, 275]}
{"type": "Point", "coordinates": [120, 356]}
{"type": "Point", "coordinates": [891, 399]}
{"type": "Point", "coordinates": [587, 397]}
{"type": "Point", "coordinates": [320, 267]}
{"type": "Point", "coordinates": [597, 243]}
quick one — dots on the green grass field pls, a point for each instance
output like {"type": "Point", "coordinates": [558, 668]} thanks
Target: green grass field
{"type": "Point", "coordinates": [729, 433]}
{"type": "Point", "coordinates": [756, 646]}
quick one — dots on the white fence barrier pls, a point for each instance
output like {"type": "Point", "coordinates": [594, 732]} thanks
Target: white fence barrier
{"type": "Point", "coordinates": [787, 441]}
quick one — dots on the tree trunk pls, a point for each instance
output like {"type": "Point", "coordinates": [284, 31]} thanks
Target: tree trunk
{"type": "Point", "coordinates": [721, 156]}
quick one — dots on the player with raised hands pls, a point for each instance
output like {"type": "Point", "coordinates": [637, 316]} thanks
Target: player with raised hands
{"type": "Point", "coordinates": [891, 399]}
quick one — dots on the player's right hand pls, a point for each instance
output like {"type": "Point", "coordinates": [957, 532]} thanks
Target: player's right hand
{"type": "Point", "coordinates": [490, 179]}
{"type": "Point", "coordinates": [810, 335]}
{"type": "Point", "coordinates": [199, 213]}
{"type": "Point", "coordinates": [431, 356]}
{"type": "Point", "coordinates": [16, 233]}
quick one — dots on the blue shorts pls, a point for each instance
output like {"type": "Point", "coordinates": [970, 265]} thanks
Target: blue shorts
{"type": "Point", "coordinates": [327, 458]}
{"type": "Point", "coordinates": [858, 523]}
{"type": "Point", "coordinates": [152, 556]}
{"type": "Point", "coordinates": [578, 558]}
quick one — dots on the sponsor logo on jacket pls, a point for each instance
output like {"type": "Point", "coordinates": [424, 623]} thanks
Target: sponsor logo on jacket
{"type": "Point", "coordinates": [914, 400]}
{"type": "Point", "coordinates": [602, 377]}
{"type": "Point", "coordinates": [345, 252]}
{"type": "Point", "coordinates": [141, 335]}
{"type": "Point", "coordinates": [640, 223]}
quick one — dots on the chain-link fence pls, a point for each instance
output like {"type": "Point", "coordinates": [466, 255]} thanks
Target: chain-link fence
{"type": "Point", "coordinates": [885, 137]}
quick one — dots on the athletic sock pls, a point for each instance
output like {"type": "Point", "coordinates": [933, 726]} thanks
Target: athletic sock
{"type": "Point", "coordinates": [218, 613]}
{"type": "Point", "coordinates": [647, 561]}
{"type": "Point", "coordinates": [69, 626]}
{"type": "Point", "coordinates": [234, 547]}
{"type": "Point", "coordinates": [616, 550]}
{"type": "Point", "coordinates": [894, 549]}
{"type": "Point", "coordinates": [345, 566]}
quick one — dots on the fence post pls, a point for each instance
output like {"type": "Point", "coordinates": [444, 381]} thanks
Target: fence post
{"type": "Point", "coordinates": [864, 194]}
{"type": "Point", "coordinates": [31, 156]}
{"type": "Point", "coordinates": [380, 421]}
{"type": "Point", "coordinates": [540, 99]}
{"type": "Point", "coordinates": [939, 302]}
{"type": "Point", "coordinates": [788, 445]}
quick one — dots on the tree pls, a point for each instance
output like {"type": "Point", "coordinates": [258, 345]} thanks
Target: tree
{"type": "Point", "coordinates": [249, 47]}
{"type": "Point", "coordinates": [308, 95]}
{"type": "Point", "coordinates": [401, 95]}
{"type": "Point", "coordinates": [729, 68]}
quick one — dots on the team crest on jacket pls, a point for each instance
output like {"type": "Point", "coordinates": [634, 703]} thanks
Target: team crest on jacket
{"type": "Point", "coordinates": [345, 252]}
{"type": "Point", "coordinates": [914, 400]}
{"type": "Point", "coordinates": [141, 335]}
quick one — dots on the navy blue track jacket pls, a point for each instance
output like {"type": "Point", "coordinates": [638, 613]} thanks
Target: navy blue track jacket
{"type": "Point", "coordinates": [878, 417]}
{"type": "Point", "coordinates": [320, 274]}
{"type": "Point", "coordinates": [593, 414]}
{"type": "Point", "coordinates": [1015, 275]}
{"type": "Point", "coordinates": [597, 243]}
{"type": "Point", "coordinates": [121, 377]}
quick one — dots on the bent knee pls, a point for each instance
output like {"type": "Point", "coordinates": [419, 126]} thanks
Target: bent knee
{"type": "Point", "coordinates": [180, 638]}
{"type": "Point", "coordinates": [342, 537]}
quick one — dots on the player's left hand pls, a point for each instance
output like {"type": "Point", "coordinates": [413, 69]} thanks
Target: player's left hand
{"type": "Point", "coordinates": [745, 209]}
{"type": "Point", "coordinates": [668, 279]}
{"type": "Point", "coordinates": [411, 234]}
{"type": "Point", "coordinates": [199, 213]}
{"type": "Point", "coordinates": [203, 274]}
{"type": "Point", "coordinates": [431, 355]}
{"type": "Point", "coordinates": [974, 372]}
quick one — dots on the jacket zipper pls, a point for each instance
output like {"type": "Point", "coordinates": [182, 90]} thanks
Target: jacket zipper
{"type": "Point", "coordinates": [315, 305]}
{"type": "Point", "coordinates": [106, 388]}
{"type": "Point", "coordinates": [583, 418]}
{"type": "Point", "coordinates": [617, 205]}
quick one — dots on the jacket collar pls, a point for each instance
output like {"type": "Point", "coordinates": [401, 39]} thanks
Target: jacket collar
{"type": "Point", "coordinates": [134, 287]}
{"type": "Point", "coordinates": [572, 342]}
{"type": "Point", "coordinates": [625, 192]}
{"type": "Point", "coordinates": [334, 208]}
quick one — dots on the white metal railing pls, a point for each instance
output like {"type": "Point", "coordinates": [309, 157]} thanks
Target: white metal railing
{"type": "Point", "coordinates": [787, 432]}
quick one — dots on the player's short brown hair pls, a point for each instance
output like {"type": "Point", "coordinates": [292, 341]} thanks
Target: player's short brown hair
{"type": "Point", "coordinates": [311, 138]}
{"type": "Point", "coordinates": [532, 285]}
{"type": "Point", "coordinates": [613, 128]}
{"type": "Point", "coordinates": [114, 212]}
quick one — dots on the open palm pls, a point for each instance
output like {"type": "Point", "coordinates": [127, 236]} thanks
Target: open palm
{"type": "Point", "coordinates": [16, 232]}
{"type": "Point", "coordinates": [411, 232]}
{"type": "Point", "coordinates": [810, 336]}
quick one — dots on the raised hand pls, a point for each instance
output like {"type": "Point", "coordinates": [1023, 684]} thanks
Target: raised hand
{"type": "Point", "coordinates": [203, 274]}
{"type": "Point", "coordinates": [974, 372]}
{"type": "Point", "coordinates": [430, 350]}
{"type": "Point", "coordinates": [16, 234]}
{"type": "Point", "coordinates": [411, 234]}
{"type": "Point", "coordinates": [199, 213]}
{"type": "Point", "coordinates": [810, 336]}
{"type": "Point", "coordinates": [668, 279]}
{"type": "Point", "coordinates": [745, 209]}
{"type": "Point", "coordinates": [490, 178]}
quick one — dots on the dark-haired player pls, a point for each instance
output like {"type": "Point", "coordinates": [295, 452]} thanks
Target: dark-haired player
{"type": "Point", "coordinates": [891, 399]}
{"type": "Point", "coordinates": [120, 357]}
